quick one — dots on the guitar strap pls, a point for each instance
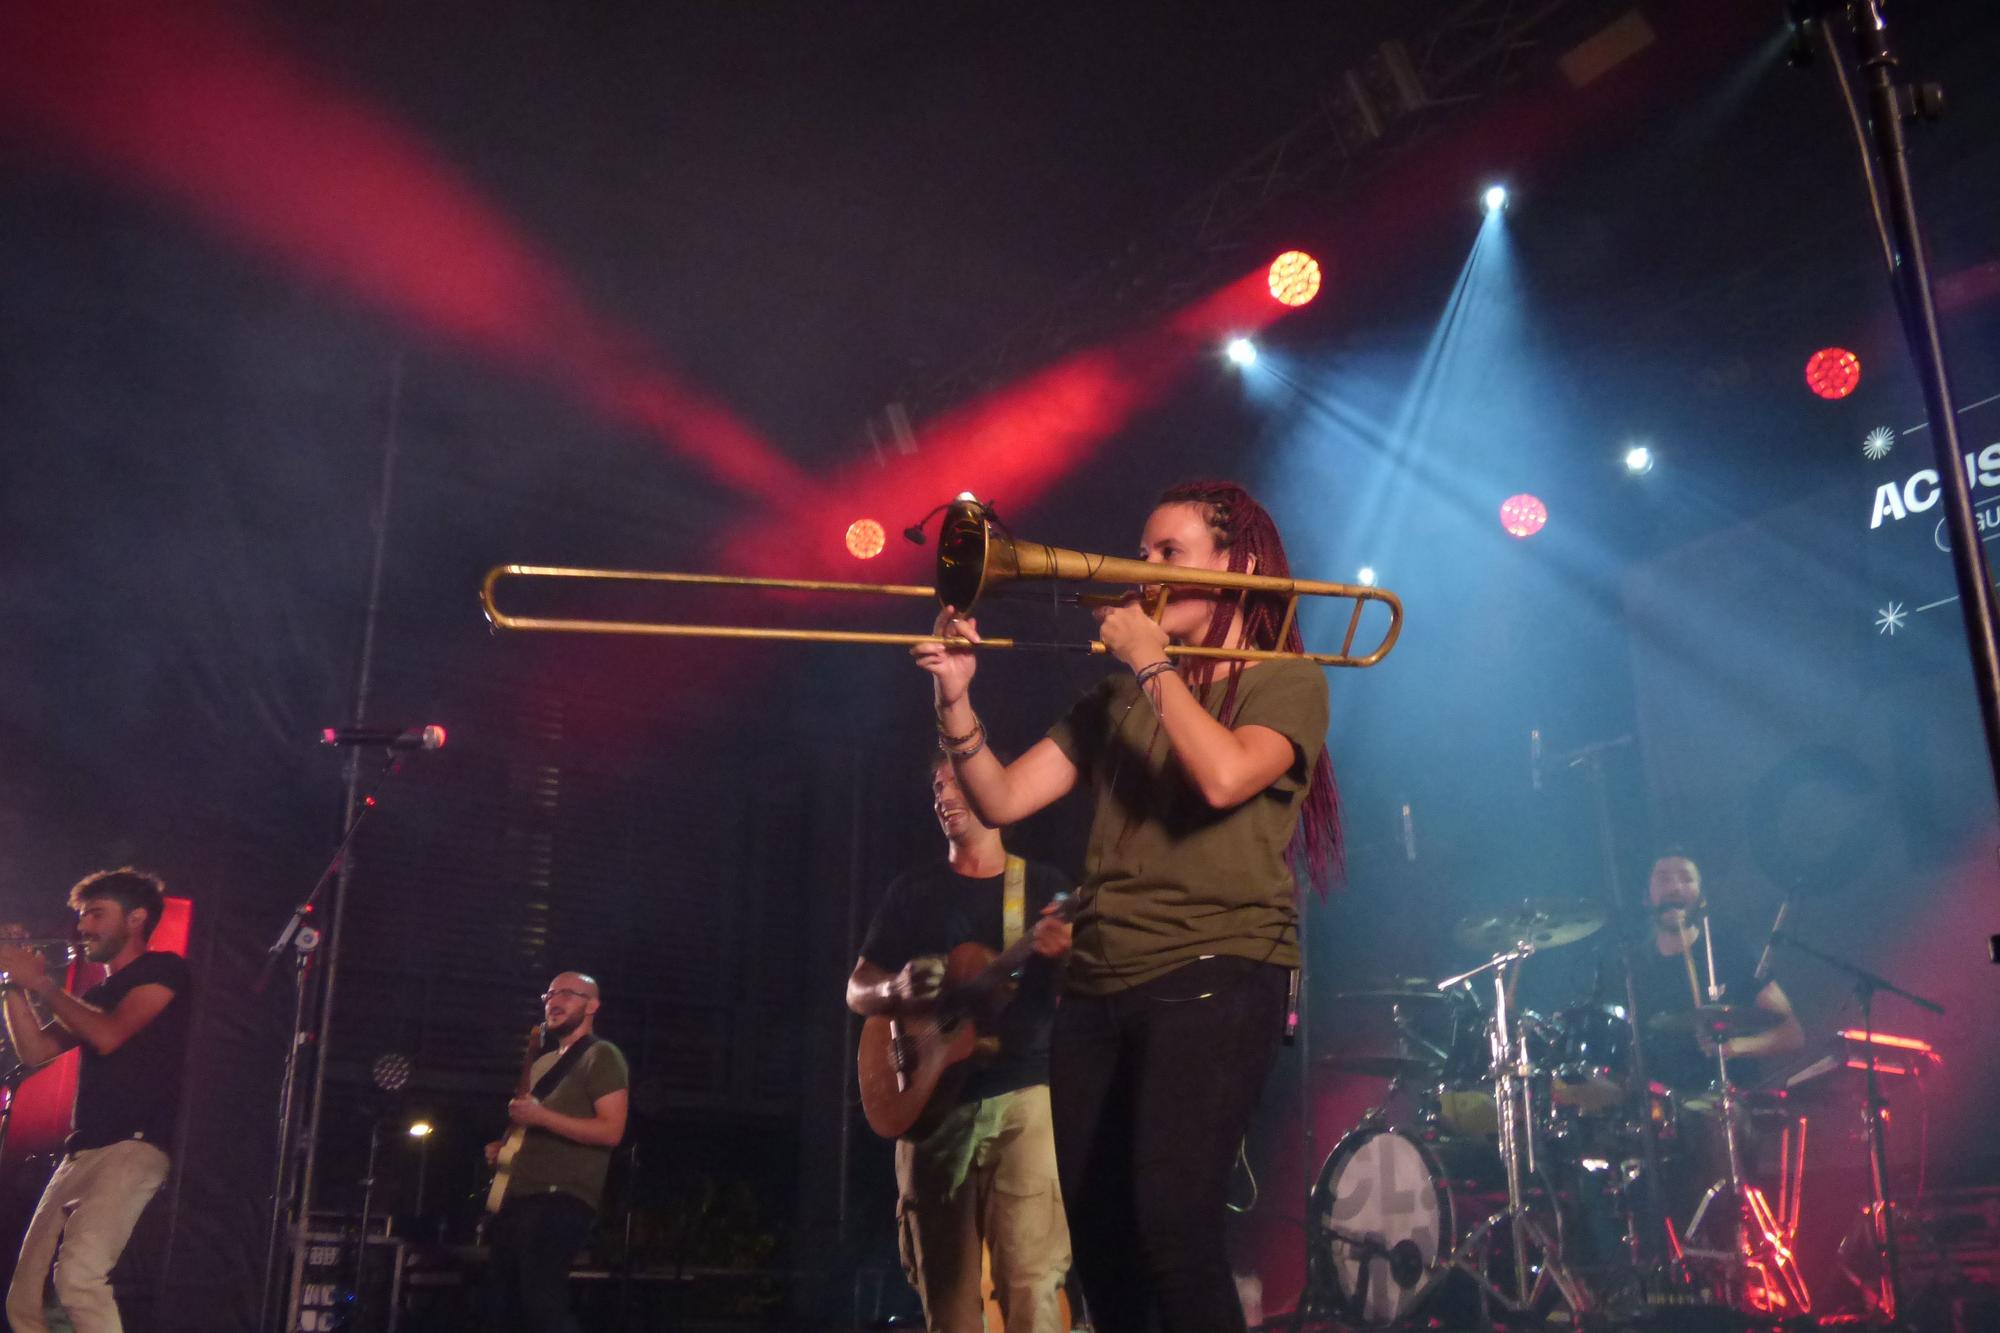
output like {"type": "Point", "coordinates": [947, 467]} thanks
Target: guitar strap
{"type": "Point", "coordinates": [1014, 902]}
{"type": "Point", "coordinates": [559, 1071]}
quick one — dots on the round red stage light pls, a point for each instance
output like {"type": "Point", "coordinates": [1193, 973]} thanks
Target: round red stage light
{"type": "Point", "coordinates": [865, 539]}
{"type": "Point", "coordinates": [1832, 372]}
{"type": "Point", "coordinates": [1294, 278]}
{"type": "Point", "coordinates": [1523, 515]}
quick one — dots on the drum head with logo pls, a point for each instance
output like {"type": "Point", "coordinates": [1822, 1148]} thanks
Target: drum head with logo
{"type": "Point", "coordinates": [1380, 1213]}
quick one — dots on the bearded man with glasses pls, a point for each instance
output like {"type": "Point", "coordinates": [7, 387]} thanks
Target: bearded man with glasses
{"type": "Point", "coordinates": [574, 1117]}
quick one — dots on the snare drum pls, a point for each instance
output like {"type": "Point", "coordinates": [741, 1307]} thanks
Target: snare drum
{"type": "Point", "coordinates": [1593, 1062]}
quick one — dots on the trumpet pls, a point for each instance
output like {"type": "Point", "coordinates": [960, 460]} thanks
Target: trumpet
{"type": "Point", "coordinates": [72, 949]}
{"type": "Point", "coordinates": [976, 560]}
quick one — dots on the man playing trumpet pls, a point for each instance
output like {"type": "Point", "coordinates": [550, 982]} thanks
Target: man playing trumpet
{"type": "Point", "coordinates": [132, 1028]}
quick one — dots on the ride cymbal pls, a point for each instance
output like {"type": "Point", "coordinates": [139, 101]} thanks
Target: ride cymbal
{"type": "Point", "coordinates": [1546, 923]}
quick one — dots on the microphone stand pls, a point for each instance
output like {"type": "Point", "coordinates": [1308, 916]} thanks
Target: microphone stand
{"type": "Point", "coordinates": [1652, 1224]}
{"type": "Point", "coordinates": [1885, 170]}
{"type": "Point", "coordinates": [10, 1084]}
{"type": "Point", "coordinates": [303, 939]}
{"type": "Point", "coordinates": [1866, 983]}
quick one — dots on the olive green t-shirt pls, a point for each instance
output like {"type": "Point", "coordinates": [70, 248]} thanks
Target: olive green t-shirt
{"type": "Point", "coordinates": [551, 1162]}
{"type": "Point", "coordinates": [1167, 878]}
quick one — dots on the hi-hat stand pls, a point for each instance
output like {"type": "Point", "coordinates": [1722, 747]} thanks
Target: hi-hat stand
{"type": "Point", "coordinates": [1759, 1259]}
{"type": "Point", "coordinates": [1514, 1101]}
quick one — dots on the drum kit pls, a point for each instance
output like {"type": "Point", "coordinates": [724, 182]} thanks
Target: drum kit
{"type": "Point", "coordinates": [1509, 1171]}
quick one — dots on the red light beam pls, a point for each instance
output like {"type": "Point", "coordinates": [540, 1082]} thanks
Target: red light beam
{"type": "Point", "coordinates": [185, 100]}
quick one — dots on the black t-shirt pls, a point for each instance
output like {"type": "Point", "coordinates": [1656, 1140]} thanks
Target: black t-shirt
{"type": "Point", "coordinates": [934, 909]}
{"type": "Point", "coordinates": [1673, 1058]}
{"type": "Point", "coordinates": [135, 1092]}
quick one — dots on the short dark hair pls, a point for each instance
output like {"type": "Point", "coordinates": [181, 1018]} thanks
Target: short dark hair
{"type": "Point", "coordinates": [130, 889]}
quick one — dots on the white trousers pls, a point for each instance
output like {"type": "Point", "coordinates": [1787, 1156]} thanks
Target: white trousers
{"type": "Point", "coordinates": [79, 1229]}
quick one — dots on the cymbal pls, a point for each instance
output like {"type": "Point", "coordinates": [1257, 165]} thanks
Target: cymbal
{"type": "Point", "coordinates": [1546, 923]}
{"type": "Point", "coordinates": [1716, 1020]}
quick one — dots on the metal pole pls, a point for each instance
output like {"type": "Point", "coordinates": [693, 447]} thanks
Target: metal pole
{"type": "Point", "coordinates": [304, 941]}
{"type": "Point", "coordinates": [1890, 103]}
{"type": "Point", "coordinates": [1652, 1219]}
{"type": "Point", "coordinates": [363, 678]}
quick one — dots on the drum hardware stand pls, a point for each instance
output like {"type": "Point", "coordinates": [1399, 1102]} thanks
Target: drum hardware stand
{"type": "Point", "coordinates": [1880, 1213]}
{"type": "Point", "coordinates": [1652, 1244]}
{"type": "Point", "coordinates": [1762, 1245]}
{"type": "Point", "coordinates": [1514, 1101]}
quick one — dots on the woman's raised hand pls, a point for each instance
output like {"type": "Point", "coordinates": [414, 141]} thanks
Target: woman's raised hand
{"type": "Point", "coordinates": [951, 668]}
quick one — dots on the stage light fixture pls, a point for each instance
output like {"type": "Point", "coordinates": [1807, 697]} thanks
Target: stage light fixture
{"type": "Point", "coordinates": [422, 1129]}
{"type": "Point", "coordinates": [1495, 198]}
{"type": "Point", "coordinates": [391, 1071]}
{"type": "Point", "coordinates": [1639, 460]}
{"type": "Point", "coordinates": [1366, 578]}
{"type": "Point", "coordinates": [1833, 372]}
{"type": "Point", "coordinates": [1523, 515]}
{"type": "Point", "coordinates": [865, 539]}
{"type": "Point", "coordinates": [1294, 278]}
{"type": "Point", "coordinates": [1241, 352]}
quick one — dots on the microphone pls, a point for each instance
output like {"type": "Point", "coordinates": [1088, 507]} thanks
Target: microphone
{"type": "Point", "coordinates": [1763, 972]}
{"type": "Point", "coordinates": [389, 738]}
{"type": "Point", "coordinates": [1535, 758]}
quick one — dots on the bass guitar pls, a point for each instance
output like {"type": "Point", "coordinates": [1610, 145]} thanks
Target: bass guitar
{"type": "Point", "coordinates": [904, 1061]}
{"type": "Point", "coordinates": [510, 1146]}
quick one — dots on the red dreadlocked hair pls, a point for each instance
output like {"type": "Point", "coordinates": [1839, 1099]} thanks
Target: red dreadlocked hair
{"type": "Point", "coordinates": [1244, 528]}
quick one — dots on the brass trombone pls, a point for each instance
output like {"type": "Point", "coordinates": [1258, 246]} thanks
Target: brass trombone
{"type": "Point", "coordinates": [974, 559]}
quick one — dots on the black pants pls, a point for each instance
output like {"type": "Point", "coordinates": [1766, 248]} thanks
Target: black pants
{"type": "Point", "coordinates": [535, 1238]}
{"type": "Point", "coordinates": [1152, 1090]}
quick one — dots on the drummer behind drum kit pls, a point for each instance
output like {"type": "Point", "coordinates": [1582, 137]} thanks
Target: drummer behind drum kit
{"type": "Point", "coordinates": [1515, 1186]}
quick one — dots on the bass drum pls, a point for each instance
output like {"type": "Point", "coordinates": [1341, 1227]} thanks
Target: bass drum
{"type": "Point", "coordinates": [1386, 1208]}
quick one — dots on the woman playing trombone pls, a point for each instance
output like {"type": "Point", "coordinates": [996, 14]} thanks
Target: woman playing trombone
{"type": "Point", "coordinates": [1209, 782]}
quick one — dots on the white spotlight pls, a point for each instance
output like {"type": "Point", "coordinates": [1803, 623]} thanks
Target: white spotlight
{"type": "Point", "coordinates": [1366, 578]}
{"type": "Point", "coordinates": [1639, 460]}
{"type": "Point", "coordinates": [1241, 351]}
{"type": "Point", "coordinates": [1495, 198]}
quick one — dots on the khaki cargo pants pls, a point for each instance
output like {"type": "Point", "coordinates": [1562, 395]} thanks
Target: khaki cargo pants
{"type": "Point", "coordinates": [985, 1176]}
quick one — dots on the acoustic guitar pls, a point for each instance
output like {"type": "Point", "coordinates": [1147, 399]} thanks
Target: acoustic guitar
{"type": "Point", "coordinates": [904, 1061]}
{"type": "Point", "coordinates": [503, 1162]}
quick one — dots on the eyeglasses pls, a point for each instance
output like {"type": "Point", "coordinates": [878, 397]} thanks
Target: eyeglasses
{"type": "Point", "coordinates": [562, 990]}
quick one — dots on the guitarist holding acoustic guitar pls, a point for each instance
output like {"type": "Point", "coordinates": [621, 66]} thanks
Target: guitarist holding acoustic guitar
{"type": "Point", "coordinates": [568, 1115]}
{"type": "Point", "coordinates": [957, 978]}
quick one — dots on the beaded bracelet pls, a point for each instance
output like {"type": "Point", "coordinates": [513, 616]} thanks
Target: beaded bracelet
{"type": "Point", "coordinates": [947, 741]}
